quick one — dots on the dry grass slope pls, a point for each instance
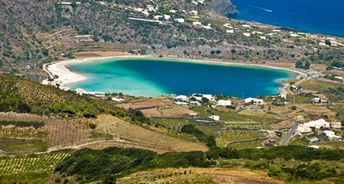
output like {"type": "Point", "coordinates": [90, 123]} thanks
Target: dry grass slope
{"type": "Point", "coordinates": [199, 176]}
{"type": "Point", "coordinates": [148, 139]}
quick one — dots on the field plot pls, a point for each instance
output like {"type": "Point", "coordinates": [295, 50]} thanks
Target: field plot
{"type": "Point", "coordinates": [14, 145]}
{"type": "Point", "coordinates": [318, 85]}
{"type": "Point", "coordinates": [13, 132]}
{"type": "Point", "coordinates": [134, 136]}
{"type": "Point", "coordinates": [30, 164]}
{"type": "Point", "coordinates": [247, 125]}
{"type": "Point", "coordinates": [230, 116]}
{"type": "Point", "coordinates": [64, 134]}
{"type": "Point", "coordinates": [176, 124]}
{"type": "Point", "coordinates": [237, 137]}
{"type": "Point", "coordinates": [157, 107]}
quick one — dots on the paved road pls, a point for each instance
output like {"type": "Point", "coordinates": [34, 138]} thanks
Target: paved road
{"type": "Point", "coordinates": [291, 132]}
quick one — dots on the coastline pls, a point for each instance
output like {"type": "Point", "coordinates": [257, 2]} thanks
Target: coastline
{"type": "Point", "coordinates": [62, 76]}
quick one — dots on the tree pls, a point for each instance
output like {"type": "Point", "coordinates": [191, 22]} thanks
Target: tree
{"type": "Point", "coordinates": [307, 65]}
{"type": "Point", "coordinates": [298, 64]}
{"type": "Point", "coordinates": [328, 42]}
{"type": "Point", "coordinates": [73, 4]}
{"type": "Point", "coordinates": [45, 52]}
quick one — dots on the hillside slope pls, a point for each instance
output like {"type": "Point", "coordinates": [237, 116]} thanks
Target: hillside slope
{"type": "Point", "coordinates": [24, 96]}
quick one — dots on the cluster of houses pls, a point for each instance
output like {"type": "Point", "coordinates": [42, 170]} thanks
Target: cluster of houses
{"type": "Point", "coordinates": [245, 29]}
{"type": "Point", "coordinates": [198, 99]}
{"type": "Point", "coordinates": [330, 41]}
{"type": "Point", "coordinates": [320, 125]}
{"type": "Point", "coordinates": [318, 100]}
{"type": "Point", "coordinates": [249, 31]}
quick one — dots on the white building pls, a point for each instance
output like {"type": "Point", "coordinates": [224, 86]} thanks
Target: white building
{"type": "Point", "coordinates": [254, 101]}
{"type": "Point", "coordinates": [263, 37]}
{"type": "Point", "coordinates": [194, 12]}
{"type": "Point", "coordinates": [196, 103]}
{"type": "Point", "coordinates": [173, 11]}
{"type": "Point", "coordinates": [314, 139]}
{"type": "Point", "coordinates": [332, 136]}
{"type": "Point", "coordinates": [246, 26]}
{"type": "Point", "coordinates": [314, 146]}
{"type": "Point", "coordinates": [182, 98]}
{"type": "Point", "coordinates": [224, 102]}
{"type": "Point", "coordinates": [227, 25]}
{"type": "Point", "coordinates": [303, 129]}
{"type": "Point", "coordinates": [150, 8]}
{"type": "Point", "coordinates": [209, 97]}
{"type": "Point", "coordinates": [321, 123]}
{"type": "Point", "coordinates": [117, 99]}
{"type": "Point", "coordinates": [214, 117]}
{"type": "Point", "coordinates": [181, 103]}
{"type": "Point", "coordinates": [167, 17]}
{"type": "Point", "coordinates": [196, 23]}
{"type": "Point", "coordinates": [180, 20]}
{"type": "Point", "coordinates": [336, 125]}
{"type": "Point", "coordinates": [230, 31]}
{"type": "Point", "coordinates": [247, 34]}
{"type": "Point", "coordinates": [339, 78]}
{"type": "Point", "coordinates": [208, 26]}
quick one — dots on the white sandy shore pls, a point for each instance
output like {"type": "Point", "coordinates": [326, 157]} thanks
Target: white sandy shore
{"type": "Point", "coordinates": [65, 76]}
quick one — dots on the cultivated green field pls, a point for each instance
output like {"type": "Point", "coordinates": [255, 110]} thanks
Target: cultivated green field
{"type": "Point", "coordinates": [231, 137]}
{"type": "Point", "coordinates": [29, 169]}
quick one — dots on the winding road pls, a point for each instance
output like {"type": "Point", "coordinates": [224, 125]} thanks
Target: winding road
{"type": "Point", "coordinates": [291, 132]}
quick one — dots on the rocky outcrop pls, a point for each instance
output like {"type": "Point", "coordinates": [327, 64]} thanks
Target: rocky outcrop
{"type": "Point", "coordinates": [223, 7]}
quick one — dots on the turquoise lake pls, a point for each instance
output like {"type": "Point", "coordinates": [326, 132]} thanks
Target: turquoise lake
{"type": "Point", "coordinates": [150, 77]}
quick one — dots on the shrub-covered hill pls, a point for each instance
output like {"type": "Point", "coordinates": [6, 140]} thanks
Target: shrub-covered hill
{"type": "Point", "coordinates": [33, 32]}
{"type": "Point", "coordinates": [24, 96]}
{"type": "Point", "coordinates": [88, 165]}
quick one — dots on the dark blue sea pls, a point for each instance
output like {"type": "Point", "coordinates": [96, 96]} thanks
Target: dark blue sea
{"type": "Point", "coordinates": [315, 16]}
{"type": "Point", "coordinates": [147, 77]}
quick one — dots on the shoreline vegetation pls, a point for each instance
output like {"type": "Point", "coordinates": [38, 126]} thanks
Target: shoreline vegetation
{"type": "Point", "coordinates": [61, 75]}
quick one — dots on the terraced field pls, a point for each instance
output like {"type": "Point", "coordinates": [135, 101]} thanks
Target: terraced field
{"type": "Point", "coordinates": [236, 137]}
{"type": "Point", "coordinates": [30, 164]}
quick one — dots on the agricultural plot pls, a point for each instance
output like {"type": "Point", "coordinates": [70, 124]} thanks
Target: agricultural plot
{"type": "Point", "coordinates": [243, 145]}
{"type": "Point", "coordinates": [237, 137]}
{"type": "Point", "coordinates": [246, 125]}
{"type": "Point", "coordinates": [14, 132]}
{"type": "Point", "coordinates": [230, 116]}
{"type": "Point", "coordinates": [30, 164]}
{"type": "Point", "coordinates": [14, 145]}
{"type": "Point", "coordinates": [318, 85]}
{"type": "Point", "coordinates": [177, 124]}
{"type": "Point", "coordinates": [63, 134]}
{"type": "Point", "coordinates": [22, 124]}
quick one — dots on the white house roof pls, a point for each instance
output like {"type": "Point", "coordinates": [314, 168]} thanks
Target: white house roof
{"type": "Point", "coordinates": [182, 97]}
{"type": "Point", "coordinates": [215, 117]}
{"type": "Point", "coordinates": [254, 100]}
{"type": "Point", "coordinates": [224, 102]}
{"type": "Point", "coordinates": [331, 134]}
{"type": "Point", "coordinates": [318, 124]}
